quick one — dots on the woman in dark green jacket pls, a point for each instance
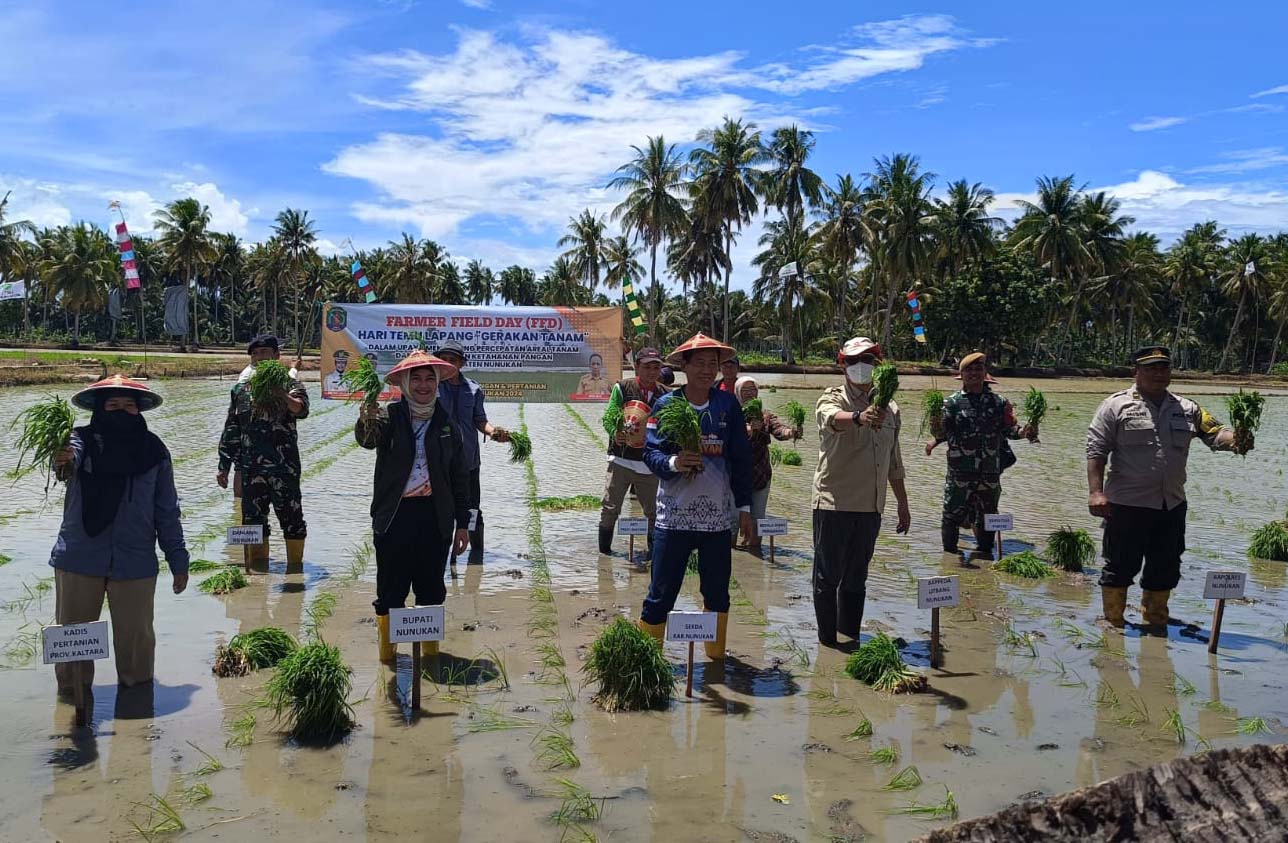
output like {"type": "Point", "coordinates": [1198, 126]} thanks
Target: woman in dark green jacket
{"type": "Point", "coordinates": [420, 499]}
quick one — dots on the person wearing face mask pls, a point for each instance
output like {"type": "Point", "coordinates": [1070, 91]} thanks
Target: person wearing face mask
{"type": "Point", "coordinates": [977, 424]}
{"type": "Point", "coordinates": [759, 430]}
{"type": "Point", "coordinates": [858, 456]}
{"type": "Point", "coordinates": [119, 506]}
{"type": "Point", "coordinates": [420, 504]}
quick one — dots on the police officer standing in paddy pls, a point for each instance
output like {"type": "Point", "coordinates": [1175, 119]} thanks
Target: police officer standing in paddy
{"type": "Point", "coordinates": [1142, 435]}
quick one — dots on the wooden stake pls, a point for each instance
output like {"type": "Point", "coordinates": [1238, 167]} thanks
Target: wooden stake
{"type": "Point", "coordinates": [997, 551]}
{"type": "Point", "coordinates": [415, 679]}
{"type": "Point", "coordinates": [78, 691]}
{"type": "Point", "coordinates": [936, 652]}
{"type": "Point", "coordinates": [771, 550]}
{"type": "Point", "coordinates": [1217, 614]}
{"type": "Point", "coordinates": [630, 552]}
{"type": "Point", "coordinates": [688, 685]}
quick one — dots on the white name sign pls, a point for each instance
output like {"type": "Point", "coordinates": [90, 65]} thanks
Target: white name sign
{"type": "Point", "coordinates": [632, 526]}
{"type": "Point", "coordinates": [1228, 585]}
{"type": "Point", "coordinates": [691, 626]}
{"type": "Point", "coordinates": [772, 526]}
{"type": "Point", "coordinates": [938, 592]}
{"type": "Point", "coordinates": [999, 522]}
{"type": "Point", "coordinates": [75, 642]}
{"type": "Point", "coordinates": [421, 623]}
{"type": "Point", "coordinates": [244, 534]}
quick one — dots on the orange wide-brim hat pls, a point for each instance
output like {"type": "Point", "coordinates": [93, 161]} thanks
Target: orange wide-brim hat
{"type": "Point", "coordinates": [117, 385]}
{"type": "Point", "coordinates": [417, 360]}
{"type": "Point", "coordinates": [699, 342]}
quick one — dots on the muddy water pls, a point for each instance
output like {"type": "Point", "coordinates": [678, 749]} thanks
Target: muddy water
{"type": "Point", "coordinates": [1025, 703]}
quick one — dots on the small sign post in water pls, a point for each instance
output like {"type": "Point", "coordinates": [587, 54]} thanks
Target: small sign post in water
{"type": "Point", "coordinates": [999, 522]}
{"type": "Point", "coordinates": [1220, 586]}
{"type": "Point", "coordinates": [75, 644]}
{"type": "Point", "coordinates": [421, 623]}
{"type": "Point", "coordinates": [934, 593]}
{"type": "Point", "coordinates": [245, 535]}
{"type": "Point", "coordinates": [771, 526]}
{"type": "Point", "coordinates": [632, 527]}
{"type": "Point", "coordinates": [691, 627]}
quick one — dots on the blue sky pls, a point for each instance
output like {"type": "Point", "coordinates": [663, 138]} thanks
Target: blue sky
{"type": "Point", "coordinates": [486, 124]}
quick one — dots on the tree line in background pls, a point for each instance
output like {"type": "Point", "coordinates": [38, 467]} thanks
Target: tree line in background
{"type": "Point", "coordinates": [1068, 282]}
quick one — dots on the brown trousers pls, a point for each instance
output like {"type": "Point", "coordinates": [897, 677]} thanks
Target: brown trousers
{"type": "Point", "coordinates": [79, 599]}
{"type": "Point", "coordinates": [619, 481]}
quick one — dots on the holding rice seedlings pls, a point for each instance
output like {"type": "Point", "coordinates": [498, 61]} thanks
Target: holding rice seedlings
{"type": "Point", "coordinates": [613, 415]}
{"type": "Point", "coordinates": [1024, 564]}
{"type": "Point", "coordinates": [885, 383]}
{"type": "Point", "coordinates": [796, 413]}
{"type": "Point", "coordinates": [362, 377]}
{"type": "Point", "coordinates": [1035, 407]}
{"type": "Point", "coordinates": [1270, 542]}
{"type": "Point", "coordinates": [253, 650]}
{"type": "Point", "coordinates": [46, 431]}
{"type": "Point", "coordinates": [1070, 549]}
{"type": "Point", "coordinates": [520, 446]}
{"type": "Point", "coordinates": [678, 423]}
{"type": "Point", "coordinates": [269, 385]}
{"type": "Point", "coordinates": [753, 410]}
{"type": "Point", "coordinates": [630, 669]}
{"type": "Point", "coordinates": [225, 582]}
{"type": "Point", "coordinates": [309, 693]}
{"type": "Point", "coordinates": [877, 663]}
{"type": "Point", "coordinates": [1245, 417]}
{"type": "Point", "coordinates": [932, 413]}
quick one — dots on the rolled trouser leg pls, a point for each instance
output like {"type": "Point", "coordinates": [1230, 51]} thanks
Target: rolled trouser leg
{"type": "Point", "coordinates": [130, 603]}
{"type": "Point", "coordinates": [78, 599]}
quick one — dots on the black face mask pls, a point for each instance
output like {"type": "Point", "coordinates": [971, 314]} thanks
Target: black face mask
{"type": "Point", "coordinates": [119, 422]}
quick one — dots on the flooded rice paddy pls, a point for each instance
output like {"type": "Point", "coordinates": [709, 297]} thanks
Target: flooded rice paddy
{"type": "Point", "coordinates": [1033, 698]}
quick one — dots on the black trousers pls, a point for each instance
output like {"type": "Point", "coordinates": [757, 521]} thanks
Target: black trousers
{"type": "Point", "coordinates": [1136, 534]}
{"type": "Point", "coordinates": [475, 492]}
{"type": "Point", "coordinates": [843, 547]}
{"type": "Point", "coordinates": [411, 555]}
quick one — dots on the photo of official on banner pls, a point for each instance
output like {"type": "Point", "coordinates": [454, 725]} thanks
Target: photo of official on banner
{"type": "Point", "coordinates": [535, 354]}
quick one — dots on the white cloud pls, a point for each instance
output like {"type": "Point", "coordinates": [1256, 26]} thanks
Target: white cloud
{"type": "Point", "coordinates": [478, 4]}
{"type": "Point", "coordinates": [1150, 124]}
{"type": "Point", "coordinates": [1246, 160]}
{"type": "Point", "coordinates": [39, 203]}
{"type": "Point", "coordinates": [1268, 92]}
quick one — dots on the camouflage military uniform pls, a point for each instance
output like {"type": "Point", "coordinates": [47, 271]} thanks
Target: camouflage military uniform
{"type": "Point", "coordinates": [266, 450]}
{"type": "Point", "coordinates": [976, 427]}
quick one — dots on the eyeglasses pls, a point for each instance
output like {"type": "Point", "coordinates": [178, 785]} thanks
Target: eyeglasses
{"type": "Point", "coordinates": [862, 358]}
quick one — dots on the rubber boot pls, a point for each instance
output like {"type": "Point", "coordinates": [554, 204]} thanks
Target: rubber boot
{"type": "Point", "coordinates": [656, 631]}
{"type": "Point", "coordinates": [295, 556]}
{"type": "Point", "coordinates": [716, 649]}
{"type": "Point", "coordinates": [605, 540]}
{"type": "Point", "coordinates": [476, 542]}
{"type": "Point", "coordinates": [257, 557]}
{"type": "Point", "coordinates": [1114, 599]}
{"type": "Point", "coordinates": [948, 535]}
{"type": "Point", "coordinates": [388, 651]}
{"type": "Point", "coordinates": [1153, 605]}
{"type": "Point", "coordinates": [428, 648]}
{"type": "Point", "coordinates": [237, 510]}
{"type": "Point", "coordinates": [984, 540]}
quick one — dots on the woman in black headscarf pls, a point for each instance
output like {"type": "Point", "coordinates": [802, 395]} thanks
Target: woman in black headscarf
{"type": "Point", "coordinates": [121, 503]}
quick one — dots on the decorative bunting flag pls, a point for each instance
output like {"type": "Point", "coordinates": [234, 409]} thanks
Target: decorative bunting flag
{"type": "Point", "coordinates": [918, 329]}
{"type": "Point", "coordinates": [633, 307]}
{"type": "Point", "coordinates": [126, 245]}
{"type": "Point", "coordinates": [364, 284]}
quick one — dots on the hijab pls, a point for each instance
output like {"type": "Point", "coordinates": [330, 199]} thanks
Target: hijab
{"type": "Point", "coordinates": [118, 448]}
{"type": "Point", "coordinates": [419, 411]}
{"type": "Point", "coordinates": [738, 385]}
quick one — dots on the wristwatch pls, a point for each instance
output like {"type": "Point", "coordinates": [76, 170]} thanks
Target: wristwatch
{"type": "Point", "coordinates": [854, 417]}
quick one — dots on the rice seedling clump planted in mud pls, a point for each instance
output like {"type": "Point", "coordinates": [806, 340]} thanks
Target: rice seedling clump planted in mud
{"type": "Point", "coordinates": [1270, 542]}
{"type": "Point", "coordinates": [1245, 417]}
{"type": "Point", "coordinates": [796, 413]}
{"type": "Point", "coordinates": [630, 669]}
{"type": "Point", "coordinates": [574, 502]}
{"type": "Point", "coordinates": [1026, 564]}
{"type": "Point", "coordinates": [225, 582]}
{"type": "Point", "coordinates": [520, 446]}
{"type": "Point", "coordinates": [885, 383]}
{"type": "Point", "coordinates": [362, 377]}
{"type": "Point", "coordinates": [269, 385]}
{"type": "Point", "coordinates": [932, 412]}
{"type": "Point", "coordinates": [253, 650]}
{"type": "Point", "coordinates": [46, 430]}
{"type": "Point", "coordinates": [678, 422]}
{"type": "Point", "coordinates": [792, 458]}
{"type": "Point", "coordinates": [1070, 549]}
{"type": "Point", "coordinates": [877, 663]}
{"type": "Point", "coordinates": [309, 692]}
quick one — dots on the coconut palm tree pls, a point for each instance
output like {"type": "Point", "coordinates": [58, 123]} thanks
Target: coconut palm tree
{"type": "Point", "coordinates": [296, 237]}
{"type": "Point", "coordinates": [1245, 276]}
{"type": "Point", "coordinates": [897, 203]}
{"type": "Point", "coordinates": [586, 237]}
{"type": "Point", "coordinates": [13, 255]}
{"type": "Point", "coordinates": [80, 266]}
{"type": "Point", "coordinates": [229, 269]}
{"type": "Point", "coordinates": [517, 285]}
{"type": "Point", "coordinates": [1191, 261]}
{"type": "Point", "coordinates": [480, 283]}
{"type": "Point", "coordinates": [653, 209]}
{"type": "Point", "coordinates": [409, 277]}
{"type": "Point", "coordinates": [1278, 309]}
{"type": "Point", "coordinates": [788, 184]}
{"type": "Point", "coordinates": [620, 261]}
{"type": "Point", "coordinates": [725, 182]}
{"type": "Point", "coordinates": [964, 232]}
{"type": "Point", "coordinates": [697, 256]}
{"type": "Point", "coordinates": [450, 288]}
{"type": "Point", "coordinates": [781, 284]}
{"type": "Point", "coordinates": [185, 237]}
{"type": "Point", "coordinates": [843, 236]}
{"type": "Point", "coordinates": [561, 285]}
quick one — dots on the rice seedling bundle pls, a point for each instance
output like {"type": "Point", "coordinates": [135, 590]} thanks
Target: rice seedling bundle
{"type": "Point", "coordinates": [269, 385]}
{"type": "Point", "coordinates": [564, 504]}
{"type": "Point", "coordinates": [363, 377]}
{"type": "Point", "coordinates": [678, 422]}
{"type": "Point", "coordinates": [225, 582]}
{"type": "Point", "coordinates": [877, 663]}
{"type": "Point", "coordinates": [932, 412]}
{"type": "Point", "coordinates": [1070, 549]}
{"type": "Point", "coordinates": [1024, 564]}
{"type": "Point", "coordinates": [46, 430]}
{"type": "Point", "coordinates": [309, 693]}
{"type": "Point", "coordinates": [630, 669]}
{"type": "Point", "coordinates": [1270, 542]}
{"type": "Point", "coordinates": [753, 410]}
{"type": "Point", "coordinates": [1035, 407]}
{"type": "Point", "coordinates": [885, 383]}
{"type": "Point", "coordinates": [520, 446]}
{"type": "Point", "coordinates": [253, 650]}
{"type": "Point", "coordinates": [776, 453]}
{"type": "Point", "coordinates": [1245, 417]}
{"type": "Point", "coordinates": [613, 415]}
{"type": "Point", "coordinates": [791, 458]}
{"type": "Point", "coordinates": [795, 412]}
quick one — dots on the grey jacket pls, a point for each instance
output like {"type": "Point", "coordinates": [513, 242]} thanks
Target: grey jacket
{"type": "Point", "coordinates": [127, 550]}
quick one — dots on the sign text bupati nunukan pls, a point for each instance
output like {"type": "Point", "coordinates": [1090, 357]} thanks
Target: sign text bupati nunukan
{"type": "Point", "coordinates": [517, 353]}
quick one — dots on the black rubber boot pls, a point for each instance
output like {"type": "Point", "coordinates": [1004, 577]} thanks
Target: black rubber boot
{"type": "Point", "coordinates": [476, 541]}
{"type": "Point", "coordinates": [948, 535]}
{"type": "Point", "coordinates": [984, 542]}
{"type": "Point", "coordinates": [605, 540]}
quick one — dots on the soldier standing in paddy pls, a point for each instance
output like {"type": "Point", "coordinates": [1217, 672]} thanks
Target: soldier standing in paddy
{"type": "Point", "coordinates": [1143, 436]}
{"type": "Point", "coordinates": [264, 444]}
